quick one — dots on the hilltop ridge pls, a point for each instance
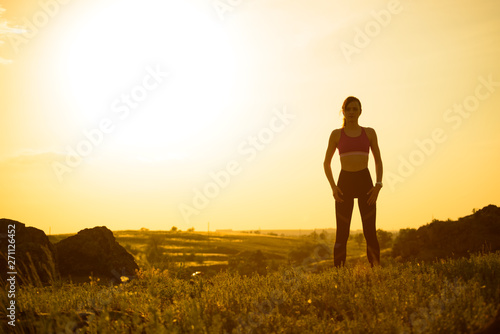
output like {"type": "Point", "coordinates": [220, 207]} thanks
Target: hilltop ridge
{"type": "Point", "coordinates": [478, 232]}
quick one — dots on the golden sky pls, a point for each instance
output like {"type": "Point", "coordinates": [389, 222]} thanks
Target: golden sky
{"type": "Point", "coordinates": [178, 113]}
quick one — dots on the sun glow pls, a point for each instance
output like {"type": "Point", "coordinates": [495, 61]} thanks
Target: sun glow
{"type": "Point", "coordinates": [112, 51]}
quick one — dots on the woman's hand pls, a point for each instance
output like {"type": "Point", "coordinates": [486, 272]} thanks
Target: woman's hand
{"type": "Point", "coordinates": [373, 194]}
{"type": "Point", "coordinates": [337, 193]}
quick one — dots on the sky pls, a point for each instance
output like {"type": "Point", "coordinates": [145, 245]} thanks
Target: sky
{"type": "Point", "coordinates": [216, 114]}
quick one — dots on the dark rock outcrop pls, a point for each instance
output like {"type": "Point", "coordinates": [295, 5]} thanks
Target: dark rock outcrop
{"type": "Point", "coordinates": [94, 252]}
{"type": "Point", "coordinates": [29, 243]}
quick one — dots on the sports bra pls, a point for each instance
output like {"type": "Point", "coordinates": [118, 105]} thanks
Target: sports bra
{"type": "Point", "coordinates": [359, 145]}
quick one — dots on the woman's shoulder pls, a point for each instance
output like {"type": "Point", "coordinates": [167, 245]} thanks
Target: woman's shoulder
{"type": "Point", "coordinates": [371, 134]}
{"type": "Point", "coordinates": [369, 131]}
{"type": "Point", "coordinates": [335, 135]}
{"type": "Point", "coordinates": [336, 132]}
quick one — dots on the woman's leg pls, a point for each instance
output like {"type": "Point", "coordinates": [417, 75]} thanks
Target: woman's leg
{"type": "Point", "coordinates": [343, 213]}
{"type": "Point", "coordinates": [368, 217]}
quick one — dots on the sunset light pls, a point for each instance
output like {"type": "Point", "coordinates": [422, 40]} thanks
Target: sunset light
{"type": "Point", "coordinates": [168, 110]}
{"type": "Point", "coordinates": [249, 166]}
{"type": "Point", "coordinates": [121, 113]}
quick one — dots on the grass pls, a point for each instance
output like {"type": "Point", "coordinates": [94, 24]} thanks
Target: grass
{"type": "Point", "coordinates": [453, 296]}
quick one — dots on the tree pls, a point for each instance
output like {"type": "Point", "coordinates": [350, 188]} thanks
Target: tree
{"type": "Point", "coordinates": [359, 238]}
{"type": "Point", "coordinates": [249, 263]}
{"type": "Point", "coordinates": [299, 253]}
{"type": "Point", "coordinates": [154, 252]}
{"type": "Point", "coordinates": [406, 244]}
{"type": "Point", "coordinates": [173, 229]}
{"type": "Point", "coordinates": [384, 239]}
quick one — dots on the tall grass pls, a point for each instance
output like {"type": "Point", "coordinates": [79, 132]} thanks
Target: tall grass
{"type": "Point", "coordinates": [454, 296]}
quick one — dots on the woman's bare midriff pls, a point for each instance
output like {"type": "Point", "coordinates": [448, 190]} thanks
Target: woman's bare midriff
{"type": "Point", "coordinates": [354, 163]}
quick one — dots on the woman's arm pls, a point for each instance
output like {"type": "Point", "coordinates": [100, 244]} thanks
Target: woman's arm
{"type": "Point", "coordinates": [332, 146]}
{"type": "Point", "coordinates": [376, 155]}
{"type": "Point", "coordinates": [379, 169]}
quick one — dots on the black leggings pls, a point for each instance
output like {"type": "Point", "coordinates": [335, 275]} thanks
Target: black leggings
{"type": "Point", "coordinates": [355, 185]}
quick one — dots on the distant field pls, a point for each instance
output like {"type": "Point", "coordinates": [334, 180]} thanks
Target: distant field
{"type": "Point", "coordinates": [214, 250]}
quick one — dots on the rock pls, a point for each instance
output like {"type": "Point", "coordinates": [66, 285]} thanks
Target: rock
{"type": "Point", "coordinates": [94, 252]}
{"type": "Point", "coordinates": [29, 242]}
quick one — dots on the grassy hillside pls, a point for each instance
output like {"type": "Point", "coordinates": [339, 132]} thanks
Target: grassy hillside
{"type": "Point", "coordinates": [255, 283]}
{"type": "Point", "coordinates": [453, 296]}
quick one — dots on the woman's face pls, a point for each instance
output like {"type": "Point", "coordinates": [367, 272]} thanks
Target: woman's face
{"type": "Point", "coordinates": [352, 111]}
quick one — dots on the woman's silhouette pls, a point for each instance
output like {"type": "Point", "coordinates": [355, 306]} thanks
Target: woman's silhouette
{"type": "Point", "coordinates": [353, 143]}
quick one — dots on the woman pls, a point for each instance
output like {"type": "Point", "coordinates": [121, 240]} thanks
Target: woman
{"type": "Point", "coordinates": [354, 142]}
